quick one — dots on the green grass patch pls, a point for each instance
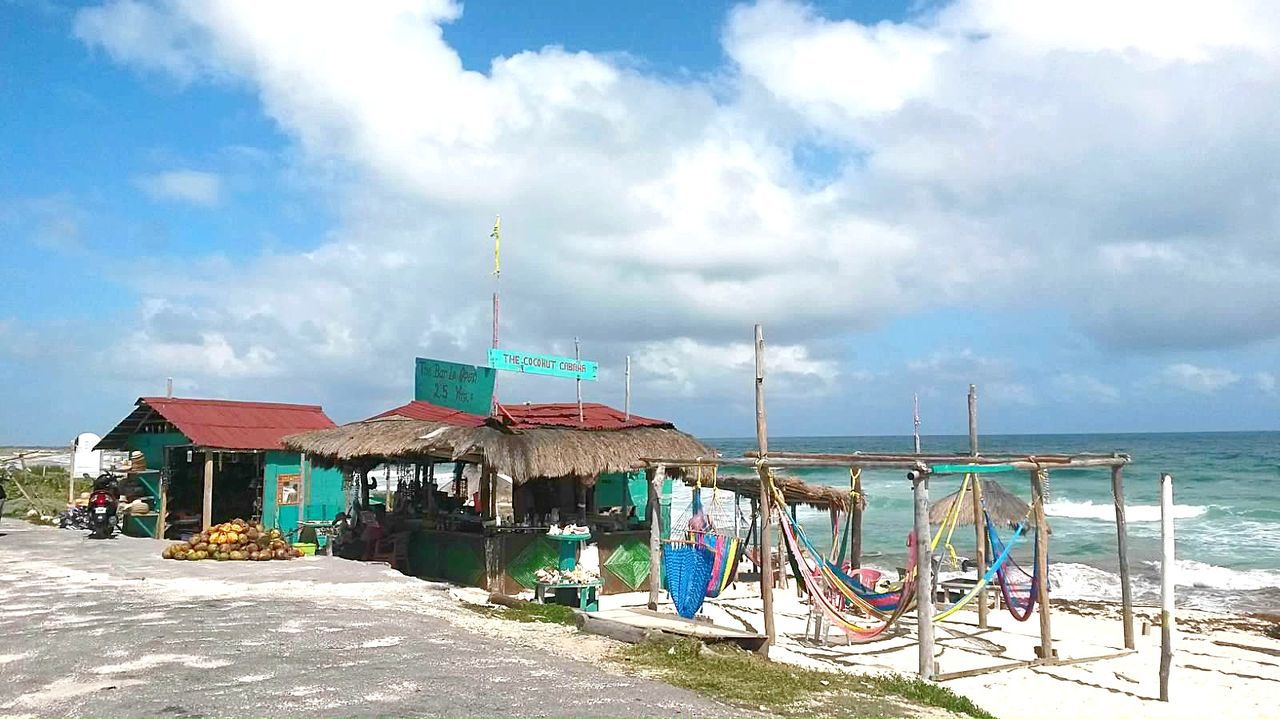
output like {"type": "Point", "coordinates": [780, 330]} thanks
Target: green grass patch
{"type": "Point", "coordinates": [527, 612]}
{"type": "Point", "coordinates": [742, 678]}
{"type": "Point", "coordinates": [44, 490]}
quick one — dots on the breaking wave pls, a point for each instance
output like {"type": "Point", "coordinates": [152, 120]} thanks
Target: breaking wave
{"type": "Point", "coordinates": [1133, 512]}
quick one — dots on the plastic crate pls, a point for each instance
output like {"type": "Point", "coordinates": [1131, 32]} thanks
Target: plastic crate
{"type": "Point", "coordinates": [307, 549]}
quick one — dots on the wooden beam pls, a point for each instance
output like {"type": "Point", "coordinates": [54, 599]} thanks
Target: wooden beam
{"type": "Point", "coordinates": [1167, 560]}
{"type": "Point", "coordinates": [924, 575]}
{"type": "Point", "coordinates": [948, 676]}
{"type": "Point", "coordinates": [766, 550]}
{"type": "Point", "coordinates": [1042, 564]}
{"type": "Point", "coordinates": [979, 523]}
{"type": "Point", "coordinates": [1122, 549]}
{"type": "Point", "coordinates": [654, 477]}
{"type": "Point", "coordinates": [904, 462]}
{"type": "Point", "coordinates": [206, 509]}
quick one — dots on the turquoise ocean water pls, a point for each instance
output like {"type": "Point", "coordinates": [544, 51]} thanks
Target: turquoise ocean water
{"type": "Point", "coordinates": [1226, 508]}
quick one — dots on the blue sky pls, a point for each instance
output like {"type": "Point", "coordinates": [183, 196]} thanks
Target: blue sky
{"type": "Point", "coordinates": [1072, 210]}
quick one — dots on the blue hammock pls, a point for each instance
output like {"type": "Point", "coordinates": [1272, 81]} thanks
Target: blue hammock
{"type": "Point", "coordinates": [687, 572]}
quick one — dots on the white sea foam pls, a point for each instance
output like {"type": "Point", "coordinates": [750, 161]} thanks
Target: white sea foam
{"type": "Point", "coordinates": [1106, 511]}
{"type": "Point", "coordinates": [1192, 573]}
{"type": "Point", "coordinates": [1069, 580]}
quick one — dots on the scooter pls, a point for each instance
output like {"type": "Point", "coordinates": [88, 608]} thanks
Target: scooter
{"type": "Point", "coordinates": [103, 505]}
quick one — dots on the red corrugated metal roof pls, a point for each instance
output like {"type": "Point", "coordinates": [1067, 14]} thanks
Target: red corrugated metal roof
{"type": "Point", "coordinates": [529, 416]}
{"type": "Point", "coordinates": [565, 414]}
{"type": "Point", "coordinates": [227, 424]}
{"type": "Point", "coordinates": [433, 413]}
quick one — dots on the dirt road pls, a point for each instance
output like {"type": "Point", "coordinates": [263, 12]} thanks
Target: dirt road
{"type": "Point", "coordinates": [107, 628]}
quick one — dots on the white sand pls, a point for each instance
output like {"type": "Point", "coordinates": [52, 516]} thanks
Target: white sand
{"type": "Point", "coordinates": [1209, 677]}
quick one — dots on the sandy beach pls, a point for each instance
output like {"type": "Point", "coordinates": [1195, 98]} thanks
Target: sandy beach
{"type": "Point", "coordinates": [1221, 660]}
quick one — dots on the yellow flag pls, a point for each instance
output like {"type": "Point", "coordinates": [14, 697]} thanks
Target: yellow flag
{"type": "Point", "coordinates": [497, 245]}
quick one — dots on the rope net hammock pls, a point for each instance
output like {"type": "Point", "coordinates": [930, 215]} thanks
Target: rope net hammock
{"type": "Point", "coordinates": [701, 559]}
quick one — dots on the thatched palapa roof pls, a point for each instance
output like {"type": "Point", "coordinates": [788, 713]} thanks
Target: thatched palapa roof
{"type": "Point", "coordinates": [525, 442]}
{"type": "Point", "coordinates": [1004, 507]}
{"type": "Point", "coordinates": [795, 491]}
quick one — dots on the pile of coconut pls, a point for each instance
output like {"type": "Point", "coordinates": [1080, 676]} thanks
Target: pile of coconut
{"type": "Point", "coordinates": [236, 541]}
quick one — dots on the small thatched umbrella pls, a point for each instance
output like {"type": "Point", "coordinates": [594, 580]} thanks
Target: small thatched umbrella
{"type": "Point", "coordinates": [1004, 507]}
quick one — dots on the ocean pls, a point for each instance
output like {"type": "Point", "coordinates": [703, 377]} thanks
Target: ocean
{"type": "Point", "coordinates": [1226, 509]}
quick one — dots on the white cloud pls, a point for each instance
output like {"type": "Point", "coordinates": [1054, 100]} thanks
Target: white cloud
{"type": "Point", "coordinates": [981, 157]}
{"type": "Point", "coordinates": [948, 373]}
{"type": "Point", "coordinates": [686, 367]}
{"type": "Point", "coordinates": [210, 355]}
{"type": "Point", "coordinates": [198, 188]}
{"type": "Point", "coordinates": [1266, 382]}
{"type": "Point", "coordinates": [1075, 387]}
{"type": "Point", "coordinates": [1201, 380]}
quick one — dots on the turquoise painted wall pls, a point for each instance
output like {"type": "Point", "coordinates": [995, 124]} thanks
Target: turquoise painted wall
{"type": "Point", "coordinates": [152, 446]}
{"type": "Point", "coordinates": [325, 493]}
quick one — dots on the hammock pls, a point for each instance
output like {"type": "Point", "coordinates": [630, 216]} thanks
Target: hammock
{"type": "Point", "coordinates": [1019, 598]}
{"type": "Point", "coordinates": [687, 573]}
{"type": "Point", "coordinates": [793, 534]}
{"type": "Point", "coordinates": [726, 550]}
{"type": "Point", "coordinates": [879, 604]}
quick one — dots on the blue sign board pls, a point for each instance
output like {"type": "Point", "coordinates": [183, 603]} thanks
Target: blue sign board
{"type": "Point", "coordinates": [457, 386]}
{"type": "Point", "coordinates": [512, 361]}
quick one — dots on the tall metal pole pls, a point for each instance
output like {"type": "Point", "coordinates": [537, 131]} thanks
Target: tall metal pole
{"type": "Point", "coordinates": [915, 421]}
{"type": "Point", "coordinates": [577, 355]}
{"type": "Point", "coordinates": [1167, 569]}
{"type": "Point", "coordinates": [766, 553]}
{"type": "Point", "coordinates": [626, 401]}
{"type": "Point", "coordinates": [979, 521]}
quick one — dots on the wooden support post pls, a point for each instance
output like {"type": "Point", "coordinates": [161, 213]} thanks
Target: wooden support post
{"type": "Point", "coordinates": [1042, 565]}
{"type": "Point", "coordinates": [1167, 570]}
{"type": "Point", "coordinates": [915, 422]}
{"type": "Point", "coordinates": [162, 501]}
{"type": "Point", "coordinates": [206, 508]}
{"type": "Point", "coordinates": [979, 522]}
{"type": "Point", "coordinates": [924, 574]}
{"type": "Point", "coordinates": [1122, 548]}
{"type": "Point", "coordinates": [304, 491]}
{"type": "Point", "coordinates": [766, 548]}
{"type": "Point", "coordinates": [855, 544]}
{"type": "Point", "coordinates": [655, 533]}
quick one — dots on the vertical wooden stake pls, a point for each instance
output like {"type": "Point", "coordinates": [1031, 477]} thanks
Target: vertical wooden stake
{"type": "Point", "coordinates": [206, 508]}
{"type": "Point", "coordinates": [1167, 570]}
{"type": "Point", "coordinates": [163, 500]}
{"type": "Point", "coordinates": [924, 573]}
{"type": "Point", "coordinates": [979, 522]}
{"type": "Point", "coordinates": [577, 355]}
{"type": "Point", "coordinates": [626, 397]}
{"type": "Point", "coordinates": [1042, 565]}
{"type": "Point", "coordinates": [855, 549]}
{"type": "Point", "coordinates": [1122, 548]}
{"type": "Point", "coordinates": [766, 542]}
{"type": "Point", "coordinates": [654, 477]}
{"type": "Point", "coordinates": [915, 421]}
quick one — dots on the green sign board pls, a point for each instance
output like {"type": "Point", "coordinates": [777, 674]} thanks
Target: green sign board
{"type": "Point", "coordinates": [512, 361]}
{"type": "Point", "coordinates": [456, 386]}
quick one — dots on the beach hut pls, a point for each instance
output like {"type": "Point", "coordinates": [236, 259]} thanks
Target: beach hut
{"type": "Point", "coordinates": [558, 466]}
{"type": "Point", "coordinates": [207, 461]}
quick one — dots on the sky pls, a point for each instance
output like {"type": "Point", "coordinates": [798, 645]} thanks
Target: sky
{"type": "Point", "coordinates": [1071, 204]}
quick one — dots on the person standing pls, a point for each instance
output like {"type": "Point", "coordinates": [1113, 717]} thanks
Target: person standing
{"type": "Point", "coordinates": [2, 495]}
